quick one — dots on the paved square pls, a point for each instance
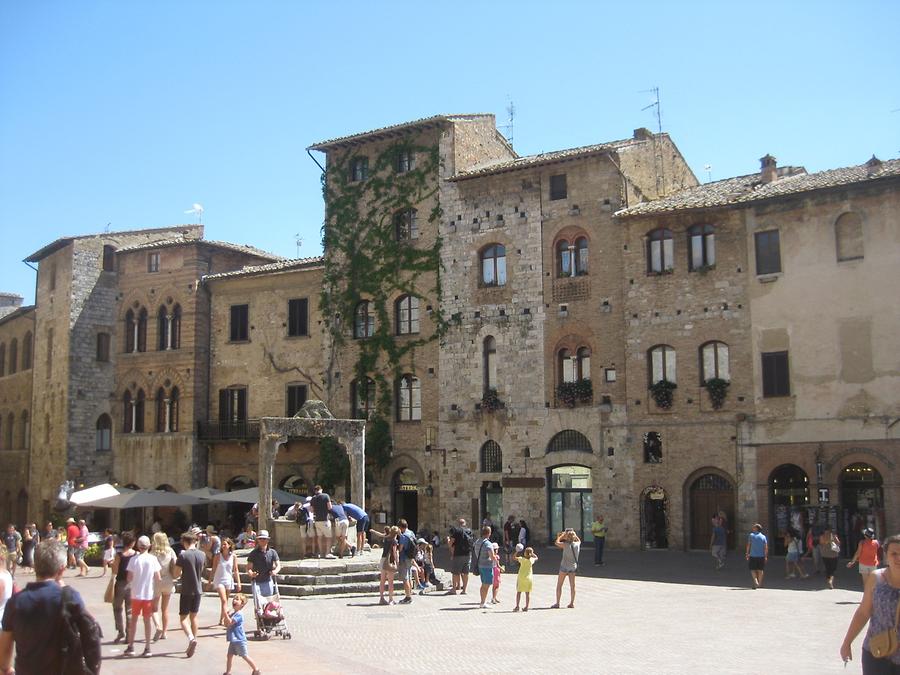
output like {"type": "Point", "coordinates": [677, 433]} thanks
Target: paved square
{"type": "Point", "coordinates": [650, 612]}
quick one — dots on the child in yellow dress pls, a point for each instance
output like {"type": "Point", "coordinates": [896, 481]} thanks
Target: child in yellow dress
{"type": "Point", "coordinates": [525, 579]}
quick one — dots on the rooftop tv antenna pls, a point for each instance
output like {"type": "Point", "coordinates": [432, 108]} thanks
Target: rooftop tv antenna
{"type": "Point", "coordinates": [196, 210]}
{"type": "Point", "coordinates": [510, 120]}
{"type": "Point", "coordinates": [655, 104]}
{"type": "Point", "coordinates": [708, 169]}
{"type": "Point", "coordinates": [299, 241]}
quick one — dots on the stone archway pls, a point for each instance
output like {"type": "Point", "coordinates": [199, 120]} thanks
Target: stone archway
{"type": "Point", "coordinates": [314, 420]}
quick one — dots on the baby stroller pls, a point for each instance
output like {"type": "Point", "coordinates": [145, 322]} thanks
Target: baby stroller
{"type": "Point", "coordinates": [269, 614]}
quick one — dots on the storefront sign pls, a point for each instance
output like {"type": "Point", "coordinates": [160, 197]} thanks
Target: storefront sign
{"type": "Point", "coordinates": [824, 495]}
{"type": "Point", "coordinates": [522, 482]}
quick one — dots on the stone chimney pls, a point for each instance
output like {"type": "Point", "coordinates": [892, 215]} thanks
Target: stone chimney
{"type": "Point", "coordinates": [873, 166]}
{"type": "Point", "coordinates": [643, 134]}
{"type": "Point", "coordinates": [768, 172]}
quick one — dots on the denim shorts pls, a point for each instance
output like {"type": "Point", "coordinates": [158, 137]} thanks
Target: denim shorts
{"type": "Point", "coordinates": [487, 575]}
{"type": "Point", "coordinates": [237, 648]}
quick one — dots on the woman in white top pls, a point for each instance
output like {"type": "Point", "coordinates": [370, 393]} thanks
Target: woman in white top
{"type": "Point", "coordinates": [165, 586]}
{"type": "Point", "coordinates": [225, 575]}
{"type": "Point", "coordinates": [6, 581]}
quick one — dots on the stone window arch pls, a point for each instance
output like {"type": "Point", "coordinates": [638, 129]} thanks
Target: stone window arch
{"type": "Point", "coordinates": [13, 356]}
{"type": "Point", "coordinates": [701, 247]}
{"type": "Point", "coordinates": [10, 429]}
{"type": "Point", "coordinates": [661, 364]}
{"type": "Point", "coordinates": [406, 311]}
{"type": "Point", "coordinates": [569, 439]}
{"type": "Point", "coordinates": [27, 347]}
{"type": "Point", "coordinates": [25, 431]}
{"type": "Point", "coordinates": [489, 361]}
{"type": "Point", "coordinates": [714, 361]}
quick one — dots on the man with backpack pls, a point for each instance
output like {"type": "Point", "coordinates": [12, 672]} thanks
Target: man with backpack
{"type": "Point", "coordinates": [48, 623]}
{"type": "Point", "coordinates": [460, 545]}
{"type": "Point", "coordinates": [406, 543]}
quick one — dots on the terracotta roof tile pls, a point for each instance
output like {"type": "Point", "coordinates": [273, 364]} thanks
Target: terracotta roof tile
{"type": "Point", "coordinates": [392, 129]}
{"type": "Point", "coordinates": [747, 189]}
{"type": "Point", "coordinates": [279, 266]}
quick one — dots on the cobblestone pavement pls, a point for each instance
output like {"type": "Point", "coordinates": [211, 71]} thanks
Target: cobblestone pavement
{"type": "Point", "coordinates": [643, 612]}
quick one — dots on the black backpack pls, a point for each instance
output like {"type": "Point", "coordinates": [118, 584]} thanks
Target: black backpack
{"type": "Point", "coordinates": [79, 638]}
{"type": "Point", "coordinates": [409, 548]}
{"type": "Point", "coordinates": [462, 541]}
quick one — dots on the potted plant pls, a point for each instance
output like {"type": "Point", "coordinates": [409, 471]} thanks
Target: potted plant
{"type": "Point", "coordinates": [584, 390]}
{"type": "Point", "coordinates": [717, 388]}
{"type": "Point", "coordinates": [566, 394]}
{"type": "Point", "coordinates": [490, 401]}
{"type": "Point", "coordinates": [662, 392]}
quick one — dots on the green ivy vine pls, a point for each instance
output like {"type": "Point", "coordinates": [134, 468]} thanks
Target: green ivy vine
{"type": "Point", "coordinates": [365, 261]}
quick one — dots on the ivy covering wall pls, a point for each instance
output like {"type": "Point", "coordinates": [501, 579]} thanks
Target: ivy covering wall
{"type": "Point", "coordinates": [365, 261]}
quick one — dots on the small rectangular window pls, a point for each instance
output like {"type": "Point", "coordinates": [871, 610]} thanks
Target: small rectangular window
{"type": "Point", "coordinates": [103, 347]}
{"type": "Point", "coordinates": [359, 169]}
{"type": "Point", "coordinates": [240, 319]}
{"type": "Point", "coordinates": [153, 262]}
{"type": "Point", "coordinates": [776, 380]}
{"type": "Point", "coordinates": [109, 258]}
{"type": "Point", "coordinates": [296, 397]}
{"type": "Point", "coordinates": [406, 161]}
{"type": "Point", "coordinates": [558, 188]}
{"type": "Point", "coordinates": [609, 374]}
{"type": "Point", "coordinates": [298, 317]}
{"type": "Point", "coordinates": [233, 404]}
{"type": "Point", "coordinates": [768, 252]}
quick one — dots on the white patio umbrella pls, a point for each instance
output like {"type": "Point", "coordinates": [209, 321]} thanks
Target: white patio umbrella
{"type": "Point", "coordinates": [102, 491]}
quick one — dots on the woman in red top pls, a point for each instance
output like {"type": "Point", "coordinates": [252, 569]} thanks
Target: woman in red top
{"type": "Point", "coordinates": [866, 554]}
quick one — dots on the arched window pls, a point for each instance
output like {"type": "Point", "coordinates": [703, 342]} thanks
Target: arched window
{"type": "Point", "coordinates": [583, 363]}
{"type": "Point", "coordinates": [103, 440]}
{"type": "Point", "coordinates": [175, 328]}
{"type": "Point", "coordinates": [493, 265]}
{"type": "Point", "coordinates": [489, 356]}
{"type": "Point", "coordinates": [569, 439]}
{"type": "Point", "coordinates": [173, 409]}
{"type": "Point", "coordinates": [660, 251]}
{"type": "Point", "coordinates": [701, 247]}
{"type": "Point", "coordinates": [10, 428]}
{"type": "Point", "coordinates": [848, 237]}
{"type": "Point", "coordinates": [406, 309]}
{"type": "Point", "coordinates": [652, 448]}
{"type": "Point", "coordinates": [162, 328]}
{"type": "Point", "coordinates": [27, 347]}
{"type": "Point", "coordinates": [491, 458]}
{"type": "Point", "coordinates": [13, 356]}
{"type": "Point", "coordinates": [661, 364]}
{"type": "Point", "coordinates": [362, 398]}
{"type": "Point", "coordinates": [162, 411]}
{"type": "Point", "coordinates": [139, 411]}
{"type": "Point", "coordinates": [409, 399]}
{"type": "Point", "coordinates": [566, 366]}
{"type": "Point", "coordinates": [130, 332]}
{"type": "Point", "coordinates": [2, 360]}
{"type": "Point", "coordinates": [127, 413]}
{"type": "Point", "coordinates": [406, 226]}
{"type": "Point", "coordinates": [363, 320]}
{"type": "Point", "coordinates": [25, 431]}
{"type": "Point", "coordinates": [714, 362]}
{"type": "Point", "coordinates": [581, 256]}
{"type": "Point", "coordinates": [563, 259]}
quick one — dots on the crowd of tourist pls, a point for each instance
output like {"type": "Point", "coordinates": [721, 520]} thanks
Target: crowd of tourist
{"type": "Point", "coordinates": [144, 567]}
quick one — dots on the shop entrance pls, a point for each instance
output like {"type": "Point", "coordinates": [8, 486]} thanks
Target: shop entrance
{"type": "Point", "coordinates": [788, 499]}
{"type": "Point", "coordinates": [571, 501]}
{"type": "Point", "coordinates": [492, 502]}
{"type": "Point", "coordinates": [710, 494]}
{"type": "Point", "coordinates": [237, 512]}
{"type": "Point", "coordinates": [406, 498]}
{"type": "Point", "coordinates": [862, 497]}
{"type": "Point", "coordinates": [654, 518]}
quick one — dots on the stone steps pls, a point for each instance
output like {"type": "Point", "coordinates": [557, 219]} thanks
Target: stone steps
{"type": "Point", "coordinates": [338, 576]}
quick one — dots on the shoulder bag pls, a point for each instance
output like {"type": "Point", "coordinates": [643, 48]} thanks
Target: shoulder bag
{"type": "Point", "coordinates": [884, 644]}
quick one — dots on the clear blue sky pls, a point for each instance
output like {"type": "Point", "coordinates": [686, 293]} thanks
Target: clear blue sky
{"type": "Point", "coordinates": [128, 112]}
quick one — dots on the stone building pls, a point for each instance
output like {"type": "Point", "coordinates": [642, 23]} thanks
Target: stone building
{"type": "Point", "coordinates": [118, 323]}
{"type": "Point", "coordinates": [266, 346]}
{"type": "Point", "coordinates": [16, 361]}
{"type": "Point", "coordinates": [783, 284]}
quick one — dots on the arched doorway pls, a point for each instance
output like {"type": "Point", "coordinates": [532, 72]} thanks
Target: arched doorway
{"type": "Point", "coordinates": [654, 518]}
{"type": "Point", "coordinates": [295, 484]}
{"type": "Point", "coordinates": [492, 502]}
{"type": "Point", "coordinates": [862, 496]}
{"type": "Point", "coordinates": [238, 513]}
{"type": "Point", "coordinates": [788, 499]}
{"type": "Point", "coordinates": [405, 489]}
{"type": "Point", "coordinates": [710, 494]}
{"type": "Point", "coordinates": [571, 500]}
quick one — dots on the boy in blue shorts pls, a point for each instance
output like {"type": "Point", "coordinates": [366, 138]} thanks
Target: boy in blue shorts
{"type": "Point", "coordinates": [237, 639]}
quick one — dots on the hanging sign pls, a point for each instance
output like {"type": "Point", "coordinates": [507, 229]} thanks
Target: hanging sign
{"type": "Point", "coordinates": [824, 495]}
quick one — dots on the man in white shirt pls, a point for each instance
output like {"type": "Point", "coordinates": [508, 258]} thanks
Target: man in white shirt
{"type": "Point", "coordinates": [143, 575]}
